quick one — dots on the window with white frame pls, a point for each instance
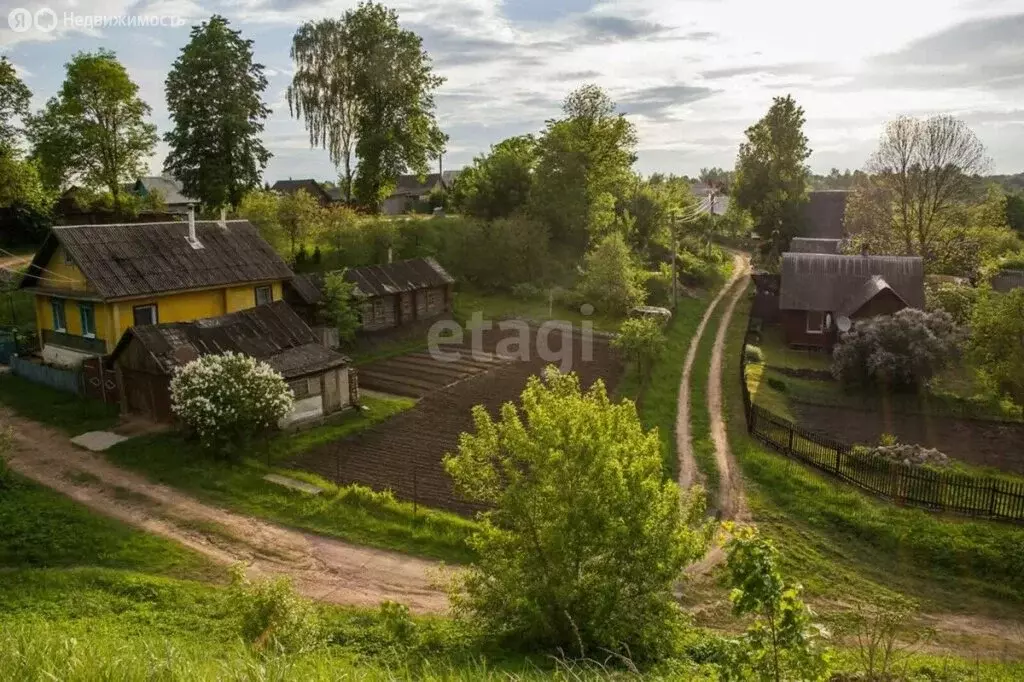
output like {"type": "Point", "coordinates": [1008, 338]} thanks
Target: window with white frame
{"type": "Point", "coordinates": [60, 323]}
{"type": "Point", "coordinates": [87, 313]}
{"type": "Point", "coordinates": [815, 321]}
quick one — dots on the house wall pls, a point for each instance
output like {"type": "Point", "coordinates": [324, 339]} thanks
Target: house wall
{"type": "Point", "coordinates": [396, 205]}
{"type": "Point", "coordinates": [885, 303]}
{"type": "Point", "coordinates": [794, 326]}
{"type": "Point", "coordinates": [386, 306]}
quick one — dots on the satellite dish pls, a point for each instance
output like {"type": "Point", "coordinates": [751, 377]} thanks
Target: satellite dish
{"type": "Point", "coordinates": [844, 323]}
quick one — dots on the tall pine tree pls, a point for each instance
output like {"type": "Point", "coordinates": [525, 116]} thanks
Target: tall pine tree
{"type": "Point", "coordinates": [214, 95]}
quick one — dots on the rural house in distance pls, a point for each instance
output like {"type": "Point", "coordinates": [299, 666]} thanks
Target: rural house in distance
{"type": "Point", "coordinates": [168, 189]}
{"type": "Point", "coordinates": [146, 357]}
{"type": "Point", "coordinates": [410, 189]}
{"type": "Point", "coordinates": [819, 290]}
{"type": "Point", "coordinates": [393, 295]}
{"type": "Point", "coordinates": [93, 282]}
{"type": "Point", "coordinates": [313, 188]}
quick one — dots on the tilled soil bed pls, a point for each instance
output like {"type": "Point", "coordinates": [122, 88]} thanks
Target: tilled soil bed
{"type": "Point", "coordinates": [404, 453]}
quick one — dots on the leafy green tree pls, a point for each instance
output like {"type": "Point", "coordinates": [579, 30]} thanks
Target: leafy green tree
{"type": "Point", "coordinates": [611, 280]}
{"type": "Point", "coordinates": [584, 160]}
{"type": "Point", "coordinates": [997, 340]}
{"type": "Point", "coordinates": [24, 201]}
{"type": "Point", "coordinates": [95, 129]}
{"type": "Point", "coordinates": [956, 299]}
{"type": "Point", "coordinates": [782, 643]}
{"type": "Point", "coordinates": [583, 540]}
{"type": "Point", "coordinates": [298, 214]}
{"type": "Point", "coordinates": [498, 184]}
{"type": "Point", "coordinates": [642, 341]}
{"type": "Point", "coordinates": [365, 79]}
{"type": "Point", "coordinates": [340, 305]}
{"type": "Point", "coordinates": [772, 174]}
{"type": "Point", "coordinates": [1015, 211]}
{"type": "Point", "coordinates": [716, 177]}
{"type": "Point", "coordinates": [14, 101]}
{"type": "Point", "coordinates": [323, 90]}
{"type": "Point", "coordinates": [214, 97]}
{"type": "Point", "coordinates": [261, 208]}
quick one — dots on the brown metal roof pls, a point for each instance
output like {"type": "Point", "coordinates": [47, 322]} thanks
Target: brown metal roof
{"type": "Point", "coordinates": [827, 282]}
{"type": "Point", "coordinates": [123, 260]}
{"type": "Point", "coordinates": [875, 285]}
{"type": "Point", "coordinates": [378, 280]}
{"type": "Point", "coordinates": [272, 333]}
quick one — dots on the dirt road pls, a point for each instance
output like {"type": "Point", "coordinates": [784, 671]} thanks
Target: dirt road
{"type": "Point", "coordinates": [731, 502]}
{"type": "Point", "coordinates": [321, 568]}
{"type": "Point", "coordinates": [688, 471]}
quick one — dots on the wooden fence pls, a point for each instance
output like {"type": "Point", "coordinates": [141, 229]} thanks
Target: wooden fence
{"type": "Point", "coordinates": [66, 380]}
{"type": "Point", "coordinates": [905, 484]}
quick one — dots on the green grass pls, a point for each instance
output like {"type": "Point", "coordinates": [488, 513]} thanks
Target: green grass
{"type": "Point", "coordinates": [352, 513]}
{"type": "Point", "coordinates": [778, 354]}
{"type": "Point", "coordinates": [843, 544]}
{"type": "Point", "coordinates": [497, 306]}
{"type": "Point", "coordinates": [17, 309]}
{"type": "Point", "coordinates": [657, 398]}
{"type": "Point", "coordinates": [68, 412]}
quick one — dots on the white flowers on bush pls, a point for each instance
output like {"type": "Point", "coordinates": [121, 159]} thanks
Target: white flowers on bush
{"type": "Point", "coordinates": [227, 398]}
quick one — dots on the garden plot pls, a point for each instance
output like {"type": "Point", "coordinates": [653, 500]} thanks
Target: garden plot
{"type": "Point", "coordinates": [419, 374]}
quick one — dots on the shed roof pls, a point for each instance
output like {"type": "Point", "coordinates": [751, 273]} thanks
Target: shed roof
{"type": "Point", "coordinates": [379, 280]}
{"type": "Point", "coordinates": [411, 185]}
{"type": "Point", "coordinates": [272, 333]}
{"type": "Point", "coordinates": [815, 245]}
{"type": "Point", "coordinates": [1007, 280]}
{"type": "Point", "coordinates": [830, 282]}
{"type": "Point", "coordinates": [122, 261]}
{"type": "Point", "coordinates": [169, 189]}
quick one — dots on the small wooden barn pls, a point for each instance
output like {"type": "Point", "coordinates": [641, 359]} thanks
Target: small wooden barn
{"type": "Point", "coordinates": [146, 356]}
{"type": "Point", "coordinates": [817, 290]}
{"type": "Point", "coordinates": [392, 295]}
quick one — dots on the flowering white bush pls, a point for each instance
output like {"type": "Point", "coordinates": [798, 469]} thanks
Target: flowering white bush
{"type": "Point", "coordinates": [228, 398]}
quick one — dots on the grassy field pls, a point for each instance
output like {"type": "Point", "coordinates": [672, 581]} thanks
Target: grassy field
{"type": "Point", "coordinates": [844, 545]}
{"type": "Point", "coordinates": [497, 306]}
{"type": "Point", "coordinates": [64, 411]}
{"type": "Point", "coordinates": [353, 513]}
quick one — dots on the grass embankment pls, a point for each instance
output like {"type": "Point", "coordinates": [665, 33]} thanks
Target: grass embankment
{"type": "Point", "coordinates": [658, 398]}
{"type": "Point", "coordinates": [65, 411]}
{"type": "Point", "coordinates": [353, 513]}
{"type": "Point", "coordinates": [845, 545]}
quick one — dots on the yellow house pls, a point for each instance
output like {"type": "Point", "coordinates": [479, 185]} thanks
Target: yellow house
{"type": "Point", "coordinates": [93, 282]}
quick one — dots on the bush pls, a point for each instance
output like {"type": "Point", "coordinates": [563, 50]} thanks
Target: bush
{"type": "Point", "coordinates": [611, 281]}
{"type": "Point", "coordinates": [642, 341]}
{"type": "Point", "coordinates": [753, 354]}
{"type": "Point", "coordinates": [273, 618]}
{"type": "Point", "coordinates": [527, 291]}
{"type": "Point", "coordinates": [227, 399]}
{"type": "Point", "coordinates": [997, 329]}
{"type": "Point", "coordinates": [899, 351]}
{"type": "Point", "coordinates": [956, 299]}
{"type": "Point", "coordinates": [585, 568]}
{"type": "Point", "coordinates": [776, 383]}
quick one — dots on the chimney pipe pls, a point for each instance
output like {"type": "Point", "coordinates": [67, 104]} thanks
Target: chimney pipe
{"type": "Point", "coordinates": [192, 223]}
{"type": "Point", "coordinates": [223, 217]}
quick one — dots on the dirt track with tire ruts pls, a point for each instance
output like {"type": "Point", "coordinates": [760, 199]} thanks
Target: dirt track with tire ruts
{"type": "Point", "coordinates": [404, 453]}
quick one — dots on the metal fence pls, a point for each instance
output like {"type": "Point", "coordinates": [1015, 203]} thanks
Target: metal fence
{"type": "Point", "coordinates": [66, 380]}
{"type": "Point", "coordinates": [905, 484]}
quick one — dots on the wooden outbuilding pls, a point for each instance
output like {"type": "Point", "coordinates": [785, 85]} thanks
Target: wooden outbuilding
{"type": "Point", "coordinates": [147, 356]}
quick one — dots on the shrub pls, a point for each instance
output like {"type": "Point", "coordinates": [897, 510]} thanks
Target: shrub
{"type": "Point", "coordinates": [753, 354]}
{"type": "Point", "coordinates": [611, 281]}
{"type": "Point", "coordinates": [227, 399]}
{"type": "Point", "coordinates": [273, 618]}
{"type": "Point", "coordinates": [776, 383]}
{"type": "Point", "coordinates": [642, 341]}
{"type": "Point", "coordinates": [898, 351]}
{"type": "Point", "coordinates": [956, 299]}
{"type": "Point", "coordinates": [527, 291]}
{"type": "Point", "coordinates": [581, 568]}
{"type": "Point", "coordinates": [997, 330]}
{"type": "Point", "coordinates": [340, 305]}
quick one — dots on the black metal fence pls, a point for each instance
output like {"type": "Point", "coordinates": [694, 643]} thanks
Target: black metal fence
{"type": "Point", "coordinates": [905, 484]}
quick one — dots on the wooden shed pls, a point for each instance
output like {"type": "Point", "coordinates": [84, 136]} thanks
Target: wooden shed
{"type": "Point", "coordinates": [146, 357]}
{"type": "Point", "coordinates": [392, 295]}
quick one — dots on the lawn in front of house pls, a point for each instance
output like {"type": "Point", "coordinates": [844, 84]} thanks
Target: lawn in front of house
{"type": "Point", "coordinates": [351, 512]}
{"type": "Point", "coordinates": [495, 306]}
{"type": "Point", "coordinates": [68, 412]}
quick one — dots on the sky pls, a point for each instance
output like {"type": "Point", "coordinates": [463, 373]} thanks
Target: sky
{"type": "Point", "coordinates": [691, 74]}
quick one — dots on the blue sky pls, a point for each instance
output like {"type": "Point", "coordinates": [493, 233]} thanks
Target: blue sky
{"type": "Point", "coordinates": [692, 74]}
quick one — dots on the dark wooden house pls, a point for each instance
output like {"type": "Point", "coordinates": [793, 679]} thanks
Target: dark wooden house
{"type": "Point", "coordinates": [392, 295]}
{"type": "Point", "coordinates": [146, 357]}
{"type": "Point", "coordinates": [1006, 281]}
{"type": "Point", "coordinates": [819, 291]}
{"type": "Point", "coordinates": [309, 186]}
